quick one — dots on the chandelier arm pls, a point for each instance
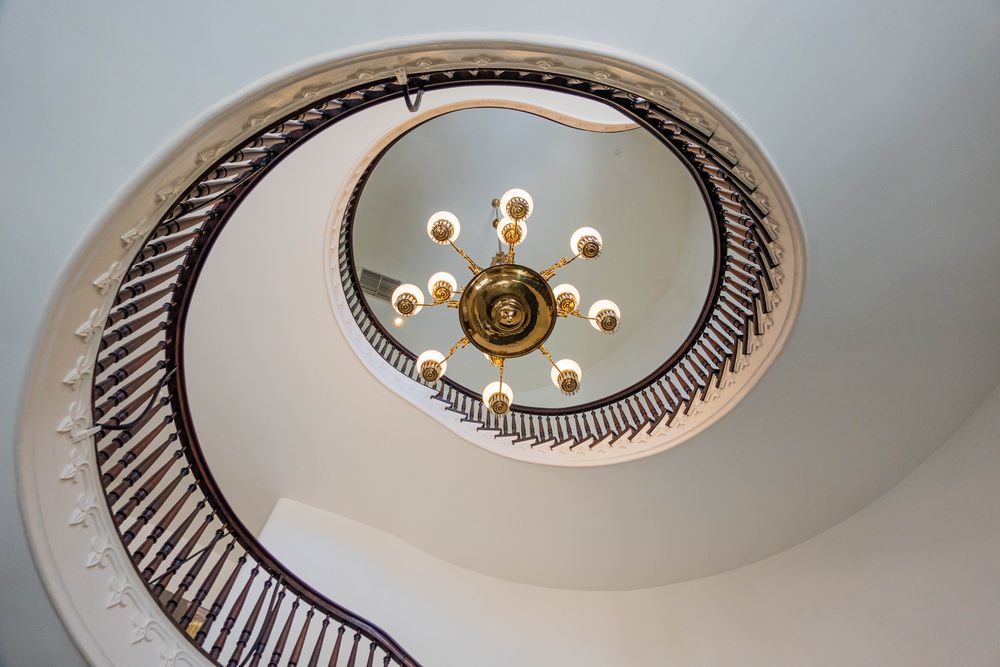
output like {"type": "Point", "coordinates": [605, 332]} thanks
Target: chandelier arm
{"type": "Point", "coordinates": [462, 342]}
{"type": "Point", "coordinates": [541, 348]}
{"type": "Point", "coordinates": [501, 372]}
{"type": "Point", "coordinates": [558, 264]}
{"type": "Point", "coordinates": [472, 265]}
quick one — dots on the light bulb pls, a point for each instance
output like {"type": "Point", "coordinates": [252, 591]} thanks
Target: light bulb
{"type": "Point", "coordinates": [511, 232]}
{"type": "Point", "coordinates": [517, 204]}
{"type": "Point", "coordinates": [566, 376]}
{"type": "Point", "coordinates": [398, 322]}
{"type": "Point", "coordinates": [443, 227]}
{"type": "Point", "coordinates": [431, 365]}
{"type": "Point", "coordinates": [567, 298]}
{"type": "Point", "coordinates": [407, 300]}
{"type": "Point", "coordinates": [586, 242]}
{"type": "Point", "coordinates": [498, 397]}
{"type": "Point", "coordinates": [442, 285]}
{"type": "Point", "coordinates": [606, 316]}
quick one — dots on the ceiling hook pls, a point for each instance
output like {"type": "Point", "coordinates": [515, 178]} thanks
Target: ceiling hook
{"type": "Point", "coordinates": [403, 80]}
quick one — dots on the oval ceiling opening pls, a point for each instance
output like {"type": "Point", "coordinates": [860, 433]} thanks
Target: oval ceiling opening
{"type": "Point", "coordinates": [591, 166]}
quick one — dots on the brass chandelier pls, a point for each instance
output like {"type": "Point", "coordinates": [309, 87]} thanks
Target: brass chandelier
{"type": "Point", "coordinates": [507, 310]}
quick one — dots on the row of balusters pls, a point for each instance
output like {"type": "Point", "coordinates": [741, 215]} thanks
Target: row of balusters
{"type": "Point", "coordinates": [237, 607]}
{"type": "Point", "coordinates": [744, 298]}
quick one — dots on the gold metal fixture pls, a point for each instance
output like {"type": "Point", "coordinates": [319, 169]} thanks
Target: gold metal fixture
{"type": "Point", "coordinates": [441, 291]}
{"type": "Point", "coordinates": [507, 310]}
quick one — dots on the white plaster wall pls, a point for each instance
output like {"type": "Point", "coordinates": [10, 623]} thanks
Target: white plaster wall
{"type": "Point", "coordinates": [911, 580]}
{"type": "Point", "coordinates": [90, 91]}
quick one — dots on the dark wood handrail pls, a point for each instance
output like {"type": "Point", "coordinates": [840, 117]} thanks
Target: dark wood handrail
{"type": "Point", "coordinates": [186, 541]}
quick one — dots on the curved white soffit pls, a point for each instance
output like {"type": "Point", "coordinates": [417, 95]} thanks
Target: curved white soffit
{"type": "Point", "coordinates": [727, 136]}
{"type": "Point", "coordinates": [96, 591]}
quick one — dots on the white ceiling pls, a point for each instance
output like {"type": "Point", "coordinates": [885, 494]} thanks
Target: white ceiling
{"type": "Point", "coordinates": [888, 153]}
{"type": "Point", "coordinates": [656, 265]}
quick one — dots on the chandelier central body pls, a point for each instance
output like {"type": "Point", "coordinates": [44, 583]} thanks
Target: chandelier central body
{"type": "Point", "coordinates": [507, 310]}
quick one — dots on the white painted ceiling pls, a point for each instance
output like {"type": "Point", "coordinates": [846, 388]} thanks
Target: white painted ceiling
{"type": "Point", "coordinates": [656, 265]}
{"type": "Point", "coordinates": [888, 153]}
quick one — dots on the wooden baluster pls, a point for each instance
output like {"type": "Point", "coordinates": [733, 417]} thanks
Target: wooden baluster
{"type": "Point", "coordinates": [138, 471]}
{"type": "Point", "coordinates": [371, 655]}
{"type": "Point", "coordinates": [136, 406]}
{"type": "Point", "coordinates": [678, 395]}
{"type": "Point", "coordinates": [153, 507]}
{"type": "Point", "coordinates": [136, 287]}
{"type": "Point", "coordinates": [120, 374]}
{"type": "Point", "coordinates": [248, 626]}
{"type": "Point", "coordinates": [125, 436]}
{"type": "Point", "coordinates": [318, 646]}
{"type": "Point", "coordinates": [171, 541]}
{"type": "Point", "coordinates": [655, 391]}
{"type": "Point", "coordinates": [131, 326]}
{"type": "Point", "coordinates": [144, 489]}
{"type": "Point", "coordinates": [205, 586]}
{"type": "Point", "coordinates": [133, 453]}
{"type": "Point", "coordinates": [193, 571]}
{"type": "Point", "coordinates": [132, 531]}
{"type": "Point", "coordinates": [560, 438]}
{"type": "Point", "coordinates": [234, 612]}
{"type": "Point", "coordinates": [126, 390]}
{"type": "Point", "coordinates": [159, 528]}
{"type": "Point", "coordinates": [279, 646]}
{"type": "Point", "coordinates": [160, 245]}
{"type": "Point", "coordinates": [159, 298]}
{"type": "Point", "coordinates": [149, 266]}
{"type": "Point", "coordinates": [269, 619]}
{"type": "Point", "coordinates": [162, 582]}
{"type": "Point", "coordinates": [606, 425]}
{"type": "Point", "coordinates": [637, 422]}
{"type": "Point", "coordinates": [181, 223]}
{"type": "Point", "coordinates": [354, 650]}
{"type": "Point", "coordinates": [293, 659]}
{"type": "Point", "coordinates": [125, 349]}
{"type": "Point", "coordinates": [220, 600]}
{"type": "Point", "coordinates": [336, 647]}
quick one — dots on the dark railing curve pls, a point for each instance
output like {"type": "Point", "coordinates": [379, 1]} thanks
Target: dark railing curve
{"type": "Point", "coordinates": [235, 600]}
